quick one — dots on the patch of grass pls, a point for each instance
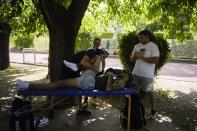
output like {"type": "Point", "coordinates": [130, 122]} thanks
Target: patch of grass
{"type": "Point", "coordinates": [41, 43]}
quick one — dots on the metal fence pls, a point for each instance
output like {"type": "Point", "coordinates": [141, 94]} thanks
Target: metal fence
{"type": "Point", "coordinates": [29, 56]}
{"type": "Point", "coordinates": [31, 51]}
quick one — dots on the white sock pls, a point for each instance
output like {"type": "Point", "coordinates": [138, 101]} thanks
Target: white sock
{"type": "Point", "coordinates": [70, 65]}
{"type": "Point", "coordinates": [22, 84]}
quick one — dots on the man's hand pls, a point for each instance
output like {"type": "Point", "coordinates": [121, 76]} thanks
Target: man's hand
{"type": "Point", "coordinates": [137, 55]}
{"type": "Point", "coordinates": [140, 54]}
{"type": "Point", "coordinates": [151, 60]}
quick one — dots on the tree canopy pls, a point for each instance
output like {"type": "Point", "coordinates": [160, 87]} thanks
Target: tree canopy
{"type": "Point", "coordinates": [30, 20]}
{"type": "Point", "coordinates": [174, 17]}
{"type": "Point", "coordinates": [9, 10]}
{"type": "Point", "coordinates": [177, 18]}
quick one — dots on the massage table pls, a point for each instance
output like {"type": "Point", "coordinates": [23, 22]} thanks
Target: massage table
{"type": "Point", "coordinates": [63, 91]}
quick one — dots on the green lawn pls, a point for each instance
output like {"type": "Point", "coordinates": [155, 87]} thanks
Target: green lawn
{"type": "Point", "coordinates": [41, 43]}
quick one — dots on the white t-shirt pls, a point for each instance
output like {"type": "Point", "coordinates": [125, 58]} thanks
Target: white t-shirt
{"type": "Point", "coordinates": [143, 68]}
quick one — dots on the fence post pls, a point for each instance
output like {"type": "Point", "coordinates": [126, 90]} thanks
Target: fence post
{"type": "Point", "coordinates": [34, 57]}
{"type": "Point", "coordinates": [31, 50]}
{"type": "Point", "coordinates": [23, 56]}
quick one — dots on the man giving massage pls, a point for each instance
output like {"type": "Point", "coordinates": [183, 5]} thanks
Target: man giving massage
{"type": "Point", "coordinates": [88, 79]}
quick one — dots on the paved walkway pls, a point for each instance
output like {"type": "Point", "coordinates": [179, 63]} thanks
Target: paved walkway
{"type": "Point", "coordinates": [178, 77]}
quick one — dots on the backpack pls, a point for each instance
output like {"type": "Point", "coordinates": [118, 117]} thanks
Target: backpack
{"type": "Point", "coordinates": [137, 113]}
{"type": "Point", "coordinates": [20, 114]}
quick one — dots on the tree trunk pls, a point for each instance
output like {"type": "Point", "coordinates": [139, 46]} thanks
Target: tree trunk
{"type": "Point", "coordinates": [63, 25]}
{"type": "Point", "coordinates": [5, 30]}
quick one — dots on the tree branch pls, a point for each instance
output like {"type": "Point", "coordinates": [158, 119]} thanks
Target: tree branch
{"type": "Point", "coordinates": [76, 12]}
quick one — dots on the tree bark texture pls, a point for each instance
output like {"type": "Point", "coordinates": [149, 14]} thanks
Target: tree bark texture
{"type": "Point", "coordinates": [63, 25]}
{"type": "Point", "coordinates": [5, 30]}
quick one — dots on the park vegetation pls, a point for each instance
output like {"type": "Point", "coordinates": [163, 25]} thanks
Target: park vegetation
{"type": "Point", "coordinates": [64, 20]}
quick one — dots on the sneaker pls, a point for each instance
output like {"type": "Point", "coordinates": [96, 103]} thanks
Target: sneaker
{"type": "Point", "coordinates": [153, 114]}
{"type": "Point", "coordinates": [70, 65]}
{"type": "Point", "coordinates": [41, 122]}
{"type": "Point", "coordinates": [22, 84]}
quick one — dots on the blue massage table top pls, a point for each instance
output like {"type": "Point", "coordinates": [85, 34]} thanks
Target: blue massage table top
{"type": "Point", "coordinates": [63, 91]}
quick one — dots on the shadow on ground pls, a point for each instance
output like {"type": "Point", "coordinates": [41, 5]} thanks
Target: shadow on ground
{"type": "Point", "coordinates": [181, 108]}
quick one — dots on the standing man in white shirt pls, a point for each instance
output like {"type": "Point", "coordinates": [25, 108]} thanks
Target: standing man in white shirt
{"type": "Point", "coordinates": [146, 56]}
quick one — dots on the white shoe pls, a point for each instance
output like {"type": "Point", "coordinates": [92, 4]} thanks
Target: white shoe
{"type": "Point", "coordinates": [70, 65]}
{"type": "Point", "coordinates": [22, 84]}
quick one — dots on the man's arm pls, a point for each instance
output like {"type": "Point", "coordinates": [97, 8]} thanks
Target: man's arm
{"type": "Point", "coordinates": [151, 60]}
{"type": "Point", "coordinates": [103, 65]}
{"type": "Point", "coordinates": [155, 56]}
{"type": "Point", "coordinates": [134, 56]}
{"type": "Point", "coordinates": [85, 61]}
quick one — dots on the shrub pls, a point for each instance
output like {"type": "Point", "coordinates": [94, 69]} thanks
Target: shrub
{"type": "Point", "coordinates": [127, 43]}
{"type": "Point", "coordinates": [83, 41]}
{"type": "Point", "coordinates": [125, 47]}
{"type": "Point", "coordinates": [24, 42]}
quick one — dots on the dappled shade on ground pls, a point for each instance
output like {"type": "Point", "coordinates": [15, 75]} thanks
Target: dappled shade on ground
{"type": "Point", "coordinates": [180, 109]}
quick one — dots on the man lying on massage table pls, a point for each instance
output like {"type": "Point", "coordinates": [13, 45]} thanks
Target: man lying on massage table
{"type": "Point", "coordinates": [88, 79]}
